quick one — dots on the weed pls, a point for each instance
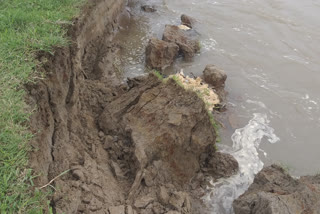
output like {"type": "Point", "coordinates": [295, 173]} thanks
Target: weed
{"type": "Point", "coordinates": [199, 45]}
{"type": "Point", "coordinates": [215, 126]}
{"type": "Point", "coordinates": [178, 81]}
{"type": "Point", "coordinates": [213, 122]}
{"type": "Point", "coordinates": [203, 92]}
{"type": "Point", "coordinates": [285, 167]}
{"type": "Point", "coordinates": [158, 74]}
{"type": "Point", "coordinates": [206, 92]}
{"type": "Point", "coordinates": [25, 28]}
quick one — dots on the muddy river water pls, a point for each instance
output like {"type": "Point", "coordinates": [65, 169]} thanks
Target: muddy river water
{"type": "Point", "coordinates": [270, 51]}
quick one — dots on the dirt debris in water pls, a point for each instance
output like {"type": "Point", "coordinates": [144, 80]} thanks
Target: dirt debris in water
{"type": "Point", "coordinates": [160, 54]}
{"type": "Point", "coordinates": [176, 41]}
{"type": "Point", "coordinates": [141, 147]}
{"type": "Point", "coordinates": [274, 191]}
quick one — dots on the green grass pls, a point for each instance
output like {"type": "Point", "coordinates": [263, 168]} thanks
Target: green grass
{"type": "Point", "coordinates": [178, 81]}
{"type": "Point", "coordinates": [26, 27]}
{"type": "Point", "coordinates": [286, 167]}
{"type": "Point", "coordinates": [215, 126]}
{"type": "Point", "coordinates": [213, 122]}
{"type": "Point", "coordinates": [199, 45]}
{"type": "Point", "coordinates": [158, 74]}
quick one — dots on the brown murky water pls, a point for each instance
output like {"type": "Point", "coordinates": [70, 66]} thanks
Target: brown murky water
{"type": "Point", "coordinates": [270, 51]}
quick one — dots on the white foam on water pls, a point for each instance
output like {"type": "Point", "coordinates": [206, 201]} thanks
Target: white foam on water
{"type": "Point", "coordinates": [296, 59]}
{"type": "Point", "coordinates": [209, 44]}
{"type": "Point", "coordinates": [259, 103]}
{"type": "Point", "coordinates": [246, 142]}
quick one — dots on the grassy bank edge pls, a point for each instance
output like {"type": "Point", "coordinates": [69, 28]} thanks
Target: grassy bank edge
{"type": "Point", "coordinates": [26, 27]}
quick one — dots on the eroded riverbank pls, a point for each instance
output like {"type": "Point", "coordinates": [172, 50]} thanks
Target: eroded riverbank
{"type": "Point", "coordinates": [144, 146]}
{"type": "Point", "coordinates": [269, 50]}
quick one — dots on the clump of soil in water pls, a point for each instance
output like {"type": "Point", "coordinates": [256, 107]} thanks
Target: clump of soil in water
{"type": "Point", "coordinates": [275, 191]}
{"type": "Point", "coordinates": [141, 147]}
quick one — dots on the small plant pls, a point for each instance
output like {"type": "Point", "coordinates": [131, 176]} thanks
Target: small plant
{"type": "Point", "coordinates": [178, 81]}
{"type": "Point", "coordinates": [215, 126]}
{"type": "Point", "coordinates": [50, 208]}
{"type": "Point", "coordinates": [199, 45]}
{"type": "Point", "coordinates": [285, 167]}
{"type": "Point", "coordinates": [206, 92]}
{"type": "Point", "coordinates": [158, 74]}
{"type": "Point", "coordinates": [202, 93]}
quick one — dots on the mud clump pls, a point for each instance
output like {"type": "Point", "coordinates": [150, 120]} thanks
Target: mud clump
{"type": "Point", "coordinates": [175, 42]}
{"type": "Point", "coordinates": [216, 78]}
{"type": "Point", "coordinates": [274, 191]}
{"type": "Point", "coordinates": [188, 46]}
{"type": "Point", "coordinates": [187, 20]}
{"type": "Point", "coordinates": [149, 8]}
{"type": "Point", "coordinates": [220, 165]}
{"type": "Point", "coordinates": [161, 54]}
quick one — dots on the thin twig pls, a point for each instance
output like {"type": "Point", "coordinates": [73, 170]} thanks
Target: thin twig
{"type": "Point", "coordinates": [49, 184]}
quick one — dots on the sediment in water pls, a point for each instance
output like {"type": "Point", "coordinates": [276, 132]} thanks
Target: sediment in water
{"type": "Point", "coordinates": [141, 147]}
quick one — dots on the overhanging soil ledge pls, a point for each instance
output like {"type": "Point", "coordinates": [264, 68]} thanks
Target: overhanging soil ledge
{"type": "Point", "coordinates": [141, 147]}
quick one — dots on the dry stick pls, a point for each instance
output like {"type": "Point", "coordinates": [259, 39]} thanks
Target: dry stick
{"type": "Point", "coordinates": [55, 179]}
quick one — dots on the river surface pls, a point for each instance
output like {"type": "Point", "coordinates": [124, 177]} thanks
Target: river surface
{"type": "Point", "coordinates": [271, 52]}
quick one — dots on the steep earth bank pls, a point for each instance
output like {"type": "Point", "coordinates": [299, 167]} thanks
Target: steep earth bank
{"type": "Point", "coordinates": [141, 147]}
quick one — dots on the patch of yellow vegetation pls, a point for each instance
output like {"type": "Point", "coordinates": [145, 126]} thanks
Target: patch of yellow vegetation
{"type": "Point", "coordinates": [184, 27]}
{"type": "Point", "coordinates": [201, 88]}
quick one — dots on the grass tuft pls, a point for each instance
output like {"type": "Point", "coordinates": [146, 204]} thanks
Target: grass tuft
{"type": "Point", "coordinates": [158, 74]}
{"type": "Point", "coordinates": [26, 27]}
{"type": "Point", "coordinates": [286, 167]}
{"type": "Point", "coordinates": [215, 126]}
{"type": "Point", "coordinates": [178, 81]}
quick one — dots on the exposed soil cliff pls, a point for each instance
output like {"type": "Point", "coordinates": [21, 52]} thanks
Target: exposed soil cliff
{"type": "Point", "coordinates": [141, 147]}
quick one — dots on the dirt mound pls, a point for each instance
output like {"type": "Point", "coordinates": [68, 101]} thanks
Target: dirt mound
{"type": "Point", "coordinates": [162, 131]}
{"type": "Point", "coordinates": [175, 41]}
{"type": "Point", "coordinates": [187, 20]}
{"type": "Point", "coordinates": [160, 54]}
{"type": "Point", "coordinates": [274, 191]}
{"type": "Point", "coordinates": [188, 45]}
{"type": "Point", "coordinates": [141, 147]}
